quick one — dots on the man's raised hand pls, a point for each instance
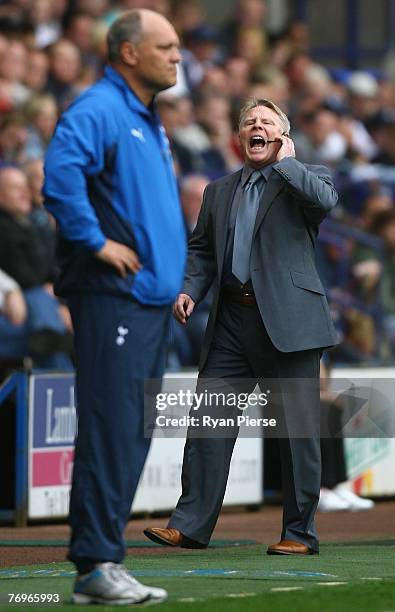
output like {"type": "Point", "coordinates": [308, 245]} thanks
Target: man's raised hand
{"type": "Point", "coordinates": [286, 148]}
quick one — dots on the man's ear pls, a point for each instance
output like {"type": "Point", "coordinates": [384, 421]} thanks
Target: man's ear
{"type": "Point", "coordinates": [129, 53]}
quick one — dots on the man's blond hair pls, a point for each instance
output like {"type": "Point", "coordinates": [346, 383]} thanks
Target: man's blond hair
{"type": "Point", "coordinates": [254, 102]}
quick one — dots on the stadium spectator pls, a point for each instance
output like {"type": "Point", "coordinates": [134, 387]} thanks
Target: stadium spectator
{"type": "Point", "coordinates": [271, 84]}
{"type": "Point", "coordinates": [239, 75]}
{"type": "Point", "coordinates": [21, 250]}
{"type": "Point", "coordinates": [36, 76]}
{"type": "Point", "coordinates": [46, 16]}
{"type": "Point", "coordinates": [296, 39]}
{"type": "Point", "coordinates": [41, 115]}
{"type": "Point", "coordinates": [187, 340]}
{"type": "Point", "coordinates": [385, 133]}
{"type": "Point", "coordinates": [363, 92]}
{"type": "Point", "coordinates": [327, 144]}
{"type": "Point", "coordinates": [335, 136]}
{"type": "Point", "coordinates": [43, 222]}
{"type": "Point", "coordinates": [12, 302]}
{"type": "Point", "coordinates": [188, 15]}
{"type": "Point", "coordinates": [216, 81]}
{"type": "Point", "coordinates": [13, 137]}
{"type": "Point", "coordinates": [374, 204]}
{"type": "Point", "coordinates": [191, 193]}
{"type": "Point", "coordinates": [208, 139]}
{"type": "Point", "coordinates": [295, 70]}
{"type": "Point", "coordinates": [13, 66]}
{"type": "Point", "coordinates": [96, 8]}
{"type": "Point", "coordinates": [244, 35]}
{"type": "Point", "coordinates": [65, 70]}
{"type": "Point", "coordinates": [80, 31]}
{"type": "Point", "coordinates": [373, 272]}
{"type": "Point", "coordinates": [34, 170]}
{"type": "Point", "coordinates": [170, 111]}
{"type": "Point", "coordinates": [29, 263]}
{"type": "Point", "coordinates": [200, 53]}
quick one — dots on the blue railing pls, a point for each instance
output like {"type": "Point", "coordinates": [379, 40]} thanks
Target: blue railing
{"type": "Point", "coordinates": [17, 384]}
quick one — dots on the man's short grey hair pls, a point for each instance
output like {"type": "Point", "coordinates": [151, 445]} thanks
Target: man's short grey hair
{"type": "Point", "coordinates": [127, 28]}
{"type": "Point", "coordinates": [253, 103]}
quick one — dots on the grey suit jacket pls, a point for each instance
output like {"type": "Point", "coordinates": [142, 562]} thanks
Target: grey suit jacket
{"type": "Point", "coordinates": [288, 290]}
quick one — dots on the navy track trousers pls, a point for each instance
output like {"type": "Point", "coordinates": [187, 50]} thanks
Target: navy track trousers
{"type": "Point", "coordinates": [119, 343]}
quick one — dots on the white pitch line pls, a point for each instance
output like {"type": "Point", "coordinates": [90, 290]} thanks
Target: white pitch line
{"type": "Point", "coordinates": [279, 589]}
{"type": "Point", "coordinates": [235, 595]}
{"type": "Point", "coordinates": [330, 583]}
{"type": "Point", "coordinates": [188, 599]}
{"type": "Point", "coordinates": [371, 578]}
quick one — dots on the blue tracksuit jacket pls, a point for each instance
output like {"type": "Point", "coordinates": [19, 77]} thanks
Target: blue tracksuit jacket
{"type": "Point", "coordinates": [109, 174]}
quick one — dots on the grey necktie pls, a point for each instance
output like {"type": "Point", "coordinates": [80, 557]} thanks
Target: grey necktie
{"type": "Point", "coordinates": [244, 228]}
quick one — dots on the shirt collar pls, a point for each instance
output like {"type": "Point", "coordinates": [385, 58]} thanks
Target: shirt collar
{"type": "Point", "coordinates": [247, 171]}
{"type": "Point", "coordinates": [134, 101]}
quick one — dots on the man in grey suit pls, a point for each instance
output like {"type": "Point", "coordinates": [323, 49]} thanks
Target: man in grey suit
{"type": "Point", "coordinates": [254, 241]}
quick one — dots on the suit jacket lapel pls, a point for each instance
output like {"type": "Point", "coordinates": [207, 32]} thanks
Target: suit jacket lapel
{"type": "Point", "coordinates": [225, 197]}
{"type": "Point", "coordinates": [274, 185]}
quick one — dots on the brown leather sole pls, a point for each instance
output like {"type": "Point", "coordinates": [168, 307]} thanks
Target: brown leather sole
{"type": "Point", "coordinates": [295, 554]}
{"type": "Point", "coordinates": [159, 536]}
{"type": "Point", "coordinates": [290, 547]}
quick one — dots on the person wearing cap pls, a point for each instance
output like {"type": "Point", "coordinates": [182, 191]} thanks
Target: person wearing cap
{"type": "Point", "coordinates": [363, 92]}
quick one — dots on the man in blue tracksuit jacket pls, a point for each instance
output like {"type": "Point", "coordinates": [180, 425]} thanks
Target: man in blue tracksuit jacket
{"type": "Point", "coordinates": [110, 184]}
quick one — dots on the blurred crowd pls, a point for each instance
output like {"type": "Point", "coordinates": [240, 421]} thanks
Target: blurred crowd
{"type": "Point", "coordinates": [52, 50]}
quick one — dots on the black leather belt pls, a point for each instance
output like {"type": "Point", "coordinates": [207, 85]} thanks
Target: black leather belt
{"type": "Point", "coordinates": [246, 298]}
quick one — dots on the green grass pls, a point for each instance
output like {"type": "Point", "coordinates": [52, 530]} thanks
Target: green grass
{"type": "Point", "coordinates": [249, 587]}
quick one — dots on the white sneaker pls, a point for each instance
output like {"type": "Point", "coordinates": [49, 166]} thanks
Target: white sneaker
{"type": "Point", "coordinates": [153, 593]}
{"type": "Point", "coordinates": [356, 503]}
{"type": "Point", "coordinates": [331, 502]}
{"type": "Point", "coordinates": [111, 584]}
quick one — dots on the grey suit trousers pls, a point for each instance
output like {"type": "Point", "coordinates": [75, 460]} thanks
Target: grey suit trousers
{"type": "Point", "coordinates": [242, 349]}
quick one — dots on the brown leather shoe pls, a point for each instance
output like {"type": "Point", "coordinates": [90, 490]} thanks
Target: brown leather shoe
{"type": "Point", "coordinates": [168, 536]}
{"type": "Point", "coordinates": [290, 547]}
